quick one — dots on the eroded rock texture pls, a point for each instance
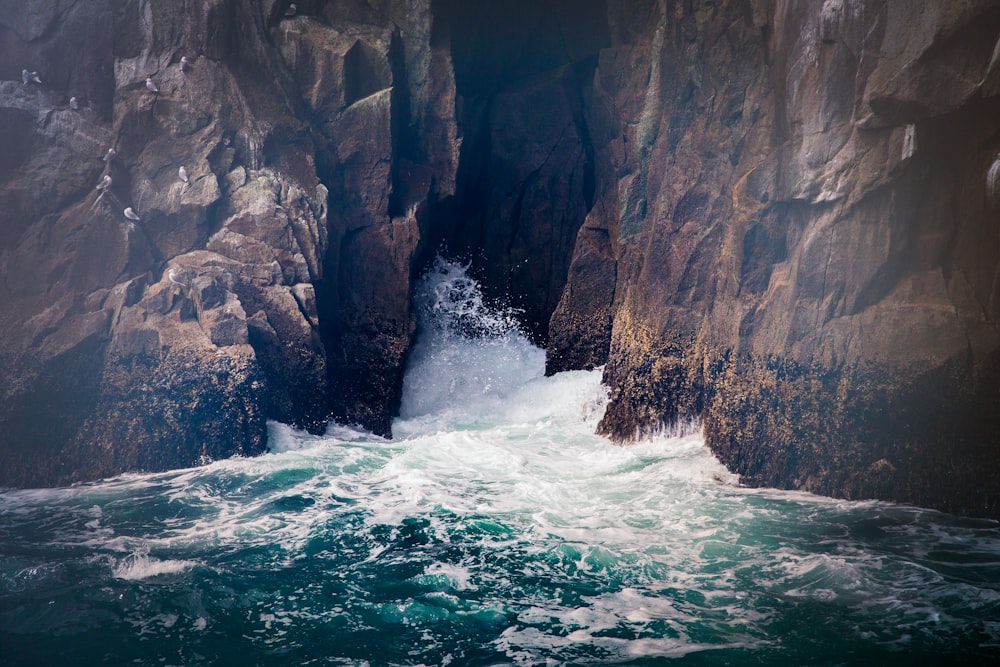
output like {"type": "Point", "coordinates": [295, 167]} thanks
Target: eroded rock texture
{"type": "Point", "coordinates": [142, 344]}
{"type": "Point", "coordinates": [794, 204]}
{"type": "Point", "coordinates": [780, 216]}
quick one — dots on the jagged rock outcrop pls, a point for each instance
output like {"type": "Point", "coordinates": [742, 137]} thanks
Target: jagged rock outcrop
{"type": "Point", "coordinates": [778, 216]}
{"type": "Point", "coordinates": [142, 344]}
{"type": "Point", "coordinates": [802, 237]}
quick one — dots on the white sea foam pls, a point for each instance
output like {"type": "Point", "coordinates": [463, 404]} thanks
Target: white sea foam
{"type": "Point", "coordinates": [469, 357]}
{"type": "Point", "coordinates": [139, 565]}
{"type": "Point", "coordinates": [495, 499]}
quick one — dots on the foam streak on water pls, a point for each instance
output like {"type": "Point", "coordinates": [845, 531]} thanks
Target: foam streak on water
{"type": "Point", "coordinates": [495, 529]}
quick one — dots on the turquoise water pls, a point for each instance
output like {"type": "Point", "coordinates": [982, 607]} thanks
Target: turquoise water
{"type": "Point", "coordinates": [494, 529]}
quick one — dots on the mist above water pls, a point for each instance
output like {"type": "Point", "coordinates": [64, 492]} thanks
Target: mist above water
{"type": "Point", "coordinates": [468, 356]}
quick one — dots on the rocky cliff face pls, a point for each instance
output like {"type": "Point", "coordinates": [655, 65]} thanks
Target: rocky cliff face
{"type": "Point", "coordinates": [797, 207]}
{"type": "Point", "coordinates": [778, 216]}
{"type": "Point", "coordinates": [169, 337]}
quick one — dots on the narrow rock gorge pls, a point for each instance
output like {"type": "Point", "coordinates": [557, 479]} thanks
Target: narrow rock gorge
{"type": "Point", "coordinates": [781, 217]}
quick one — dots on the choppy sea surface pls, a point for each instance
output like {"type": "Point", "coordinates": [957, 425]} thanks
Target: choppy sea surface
{"type": "Point", "coordinates": [494, 529]}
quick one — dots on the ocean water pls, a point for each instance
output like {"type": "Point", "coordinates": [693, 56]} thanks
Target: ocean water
{"type": "Point", "coordinates": [494, 529]}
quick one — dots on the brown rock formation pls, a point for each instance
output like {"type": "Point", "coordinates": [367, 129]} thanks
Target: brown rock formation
{"type": "Point", "coordinates": [802, 241]}
{"type": "Point", "coordinates": [158, 342]}
{"type": "Point", "coordinates": [777, 215]}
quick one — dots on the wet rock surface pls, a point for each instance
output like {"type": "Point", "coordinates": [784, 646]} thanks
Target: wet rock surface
{"type": "Point", "coordinates": [165, 335]}
{"type": "Point", "coordinates": [779, 216]}
{"type": "Point", "coordinates": [804, 238]}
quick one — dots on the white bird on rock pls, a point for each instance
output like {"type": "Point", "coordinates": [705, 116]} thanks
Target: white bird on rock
{"type": "Point", "coordinates": [175, 277]}
{"type": "Point", "coordinates": [105, 182]}
{"type": "Point", "coordinates": [110, 155]}
{"type": "Point", "coordinates": [185, 63]}
{"type": "Point", "coordinates": [150, 86]}
{"type": "Point", "coordinates": [182, 174]}
{"type": "Point", "coordinates": [29, 77]}
{"type": "Point", "coordinates": [74, 104]}
{"type": "Point", "coordinates": [291, 11]}
{"type": "Point", "coordinates": [130, 214]}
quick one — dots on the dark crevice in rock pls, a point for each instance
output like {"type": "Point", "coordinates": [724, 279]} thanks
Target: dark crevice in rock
{"type": "Point", "coordinates": [365, 73]}
{"type": "Point", "coordinates": [405, 143]}
{"type": "Point", "coordinates": [583, 78]}
{"type": "Point", "coordinates": [776, 215]}
{"type": "Point", "coordinates": [526, 173]}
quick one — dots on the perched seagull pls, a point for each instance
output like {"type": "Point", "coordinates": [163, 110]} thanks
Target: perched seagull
{"type": "Point", "coordinates": [130, 214]}
{"type": "Point", "coordinates": [74, 104]}
{"type": "Point", "coordinates": [110, 155]}
{"type": "Point", "coordinates": [182, 174]}
{"type": "Point", "coordinates": [105, 182]}
{"type": "Point", "coordinates": [34, 77]}
{"type": "Point", "coordinates": [185, 63]}
{"type": "Point", "coordinates": [291, 11]}
{"type": "Point", "coordinates": [25, 77]}
{"type": "Point", "coordinates": [173, 276]}
{"type": "Point", "coordinates": [150, 86]}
